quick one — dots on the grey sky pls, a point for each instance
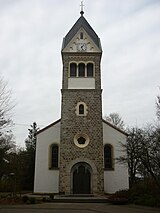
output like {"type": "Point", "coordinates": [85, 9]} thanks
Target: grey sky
{"type": "Point", "coordinates": [31, 36]}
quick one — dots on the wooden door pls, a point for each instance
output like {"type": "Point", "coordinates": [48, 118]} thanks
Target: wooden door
{"type": "Point", "coordinates": [81, 180]}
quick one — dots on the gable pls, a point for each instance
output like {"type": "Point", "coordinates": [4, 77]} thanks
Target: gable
{"type": "Point", "coordinates": [114, 127]}
{"type": "Point", "coordinates": [81, 24]}
{"type": "Point", "coordinates": [104, 123]}
{"type": "Point", "coordinates": [112, 135]}
{"type": "Point", "coordinates": [72, 46]}
{"type": "Point", "coordinates": [49, 135]}
{"type": "Point", "coordinates": [50, 126]}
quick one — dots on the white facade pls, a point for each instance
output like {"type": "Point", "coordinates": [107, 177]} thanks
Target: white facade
{"type": "Point", "coordinates": [117, 178]}
{"type": "Point", "coordinates": [47, 180]}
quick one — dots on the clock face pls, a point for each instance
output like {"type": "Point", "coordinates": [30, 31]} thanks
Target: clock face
{"type": "Point", "coordinates": [82, 47]}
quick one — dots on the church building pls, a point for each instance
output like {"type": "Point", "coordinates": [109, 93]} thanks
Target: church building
{"type": "Point", "coordinates": [77, 153]}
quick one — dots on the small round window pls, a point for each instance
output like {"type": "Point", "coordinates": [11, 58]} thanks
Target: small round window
{"type": "Point", "coordinates": [81, 140]}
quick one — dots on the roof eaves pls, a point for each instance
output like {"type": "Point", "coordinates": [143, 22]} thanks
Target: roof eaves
{"type": "Point", "coordinates": [63, 43]}
{"type": "Point", "coordinates": [47, 127]}
{"type": "Point", "coordinates": [115, 127]}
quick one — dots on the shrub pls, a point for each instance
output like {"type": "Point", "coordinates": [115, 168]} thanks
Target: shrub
{"type": "Point", "coordinates": [122, 193]}
{"type": "Point", "coordinates": [117, 200]}
{"type": "Point", "coordinates": [145, 193]}
{"type": "Point", "coordinates": [25, 198]}
{"type": "Point", "coordinates": [32, 200]}
{"type": "Point", "coordinates": [44, 199]}
{"type": "Point", "coordinates": [148, 200]}
{"type": "Point", "coordinates": [120, 197]}
{"type": "Point", "coordinates": [51, 196]}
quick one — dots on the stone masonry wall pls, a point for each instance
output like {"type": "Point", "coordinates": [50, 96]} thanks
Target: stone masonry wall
{"type": "Point", "coordinates": [71, 124]}
{"type": "Point", "coordinates": [95, 58]}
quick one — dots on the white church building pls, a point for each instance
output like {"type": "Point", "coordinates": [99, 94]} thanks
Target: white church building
{"type": "Point", "coordinates": [77, 153]}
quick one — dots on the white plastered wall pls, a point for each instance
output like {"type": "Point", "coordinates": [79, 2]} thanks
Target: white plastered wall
{"type": "Point", "coordinates": [116, 179]}
{"type": "Point", "coordinates": [81, 83]}
{"type": "Point", "coordinates": [46, 180]}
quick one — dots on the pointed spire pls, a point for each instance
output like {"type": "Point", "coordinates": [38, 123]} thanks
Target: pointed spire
{"type": "Point", "coordinates": [81, 23]}
{"type": "Point", "coordinates": [82, 5]}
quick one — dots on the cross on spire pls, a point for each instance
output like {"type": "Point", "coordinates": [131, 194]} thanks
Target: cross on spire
{"type": "Point", "coordinates": [82, 5]}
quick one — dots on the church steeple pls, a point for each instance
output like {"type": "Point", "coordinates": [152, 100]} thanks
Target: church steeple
{"type": "Point", "coordinates": [81, 144]}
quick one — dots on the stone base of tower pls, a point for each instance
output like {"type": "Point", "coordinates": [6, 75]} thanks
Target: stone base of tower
{"type": "Point", "coordinates": [81, 177]}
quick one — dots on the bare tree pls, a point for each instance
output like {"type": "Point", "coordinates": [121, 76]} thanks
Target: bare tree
{"type": "Point", "coordinates": [115, 119]}
{"type": "Point", "coordinates": [158, 107]}
{"type": "Point", "coordinates": [5, 105]}
{"type": "Point", "coordinates": [150, 152]}
{"type": "Point", "coordinates": [143, 153]}
{"type": "Point", "coordinates": [132, 148]}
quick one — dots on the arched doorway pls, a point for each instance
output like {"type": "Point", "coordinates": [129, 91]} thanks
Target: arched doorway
{"type": "Point", "coordinates": [81, 176]}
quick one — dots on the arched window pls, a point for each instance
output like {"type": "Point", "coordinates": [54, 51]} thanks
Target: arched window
{"type": "Point", "coordinates": [81, 70]}
{"type": "Point", "coordinates": [108, 157]}
{"type": "Point", "coordinates": [81, 109]}
{"type": "Point", "coordinates": [73, 70]}
{"type": "Point", "coordinates": [54, 156]}
{"type": "Point", "coordinates": [89, 70]}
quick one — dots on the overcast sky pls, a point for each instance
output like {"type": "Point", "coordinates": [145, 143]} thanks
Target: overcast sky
{"type": "Point", "coordinates": [31, 33]}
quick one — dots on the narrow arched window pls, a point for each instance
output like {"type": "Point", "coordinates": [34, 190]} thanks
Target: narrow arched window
{"type": "Point", "coordinates": [108, 157]}
{"type": "Point", "coordinates": [73, 70]}
{"type": "Point", "coordinates": [81, 70]}
{"type": "Point", "coordinates": [89, 70]}
{"type": "Point", "coordinates": [54, 156]}
{"type": "Point", "coordinates": [81, 109]}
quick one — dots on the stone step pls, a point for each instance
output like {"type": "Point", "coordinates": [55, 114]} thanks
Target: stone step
{"type": "Point", "coordinates": [80, 198]}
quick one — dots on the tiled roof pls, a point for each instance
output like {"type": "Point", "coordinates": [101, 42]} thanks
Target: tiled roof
{"type": "Point", "coordinates": [81, 22]}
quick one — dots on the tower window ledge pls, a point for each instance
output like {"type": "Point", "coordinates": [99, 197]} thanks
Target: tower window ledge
{"type": "Point", "coordinates": [81, 77]}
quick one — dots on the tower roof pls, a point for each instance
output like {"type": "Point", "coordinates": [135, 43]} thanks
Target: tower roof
{"type": "Point", "coordinates": [81, 23]}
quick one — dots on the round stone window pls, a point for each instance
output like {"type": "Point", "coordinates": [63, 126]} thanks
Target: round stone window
{"type": "Point", "coordinates": [81, 140]}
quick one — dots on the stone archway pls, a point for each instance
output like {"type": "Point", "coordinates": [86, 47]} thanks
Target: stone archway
{"type": "Point", "coordinates": [81, 178]}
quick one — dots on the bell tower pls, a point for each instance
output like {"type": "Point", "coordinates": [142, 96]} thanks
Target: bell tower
{"type": "Point", "coordinates": [81, 139]}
